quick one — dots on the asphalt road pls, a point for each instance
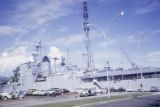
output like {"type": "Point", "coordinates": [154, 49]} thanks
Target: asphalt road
{"type": "Point", "coordinates": [145, 101]}
{"type": "Point", "coordinates": [36, 100]}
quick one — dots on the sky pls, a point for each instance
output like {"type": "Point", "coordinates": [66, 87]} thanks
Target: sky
{"type": "Point", "coordinates": [58, 24]}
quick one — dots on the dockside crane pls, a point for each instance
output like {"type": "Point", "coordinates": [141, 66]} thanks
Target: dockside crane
{"type": "Point", "coordinates": [133, 64]}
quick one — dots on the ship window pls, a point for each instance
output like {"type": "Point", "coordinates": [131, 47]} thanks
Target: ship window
{"type": "Point", "coordinates": [132, 76]}
{"type": "Point", "coordinates": [158, 72]}
{"type": "Point", "coordinates": [104, 78]}
{"type": "Point", "coordinates": [117, 77]}
{"type": "Point", "coordinates": [87, 79]}
{"type": "Point", "coordinates": [149, 75]}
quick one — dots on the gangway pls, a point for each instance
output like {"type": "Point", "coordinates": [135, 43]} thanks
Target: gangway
{"type": "Point", "coordinates": [95, 82]}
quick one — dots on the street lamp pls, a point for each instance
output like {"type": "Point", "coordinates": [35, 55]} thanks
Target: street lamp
{"type": "Point", "coordinates": [111, 21]}
{"type": "Point", "coordinates": [106, 59]}
{"type": "Point", "coordinates": [138, 46]}
{"type": "Point", "coordinates": [104, 31]}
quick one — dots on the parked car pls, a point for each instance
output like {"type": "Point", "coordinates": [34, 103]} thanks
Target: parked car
{"type": "Point", "coordinates": [83, 92]}
{"type": "Point", "coordinates": [55, 91]}
{"type": "Point", "coordinates": [39, 92]}
{"type": "Point", "coordinates": [76, 91]}
{"type": "Point", "coordinates": [154, 89]}
{"type": "Point", "coordinates": [129, 90]}
{"type": "Point", "coordinates": [113, 90]}
{"type": "Point", "coordinates": [30, 92]}
{"type": "Point", "coordinates": [121, 89]}
{"type": "Point", "coordinates": [101, 91]}
{"type": "Point", "coordinates": [5, 95]}
{"type": "Point", "coordinates": [139, 90]}
{"type": "Point", "coordinates": [65, 90]}
{"type": "Point", "coordinates": [51, 92]}
{"type": "Point", "coordinates": [88, 92]}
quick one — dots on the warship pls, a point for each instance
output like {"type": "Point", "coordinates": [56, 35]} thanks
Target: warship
{"type": "Point", "coordinates": [38, 74]}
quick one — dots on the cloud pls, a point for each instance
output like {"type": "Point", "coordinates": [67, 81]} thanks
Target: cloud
{"type": "Point", "coordinates": [68, 40]}
{"type": "Point", "coordinates": [12, 58]}
{"type": "Point", "coordinates": [55, 52]}
{"type": "Point", "coordinates": [131, 39]}
{"type": "Point", "coordinates": [153, 56]}
{"type": "Point", "coordinates": [155, 31]}
{"type": "Point", "coordinates": [37, 13]}
{"type": "Point", "coordinates": [105, 1]}
{"type": "Point", "coordinates": [147, 7]}
{"type": "Point", "coordinates": [151, 59]}
{"type": "Point", "coordinates": [142, 37]}
{"type": "Point", "coordinates": [111, 54]}
{"type": "Point", "coordinates": [30, 17]}
{"type": "Point", "coordinates": [135, 38]}
{"type": "Point", "coordinates": [110, 42]}
{"type": "Point", "coordinates": [62, 29]}
{"type": "Point", "coordinates": [7, 30]}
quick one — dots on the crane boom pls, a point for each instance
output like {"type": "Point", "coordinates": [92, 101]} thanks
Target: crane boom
{"type": "Point", "coordinates": [133, 64]}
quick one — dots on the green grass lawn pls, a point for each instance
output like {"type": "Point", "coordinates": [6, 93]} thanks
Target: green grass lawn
{"type": "Point", "coordinates": [88, 101]}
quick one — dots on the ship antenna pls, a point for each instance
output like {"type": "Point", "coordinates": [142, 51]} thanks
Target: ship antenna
{"type": "Point", "coordinates": [88, 55]}
{"type": "Point", "coordinates": [38, 49]}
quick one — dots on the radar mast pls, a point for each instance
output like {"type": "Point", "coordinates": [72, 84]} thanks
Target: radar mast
{"type": "Point", "coordinates": [87, 53]}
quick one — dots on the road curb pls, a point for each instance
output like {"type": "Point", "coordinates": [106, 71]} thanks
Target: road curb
{"type": "Point", "coordinates": [114, 100]}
